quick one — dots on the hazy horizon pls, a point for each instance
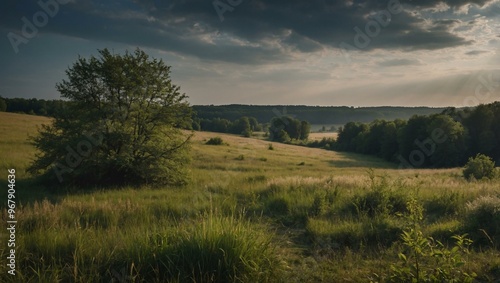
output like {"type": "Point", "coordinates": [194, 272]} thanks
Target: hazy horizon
{"type": "Point", "coordinates": [254, 52]}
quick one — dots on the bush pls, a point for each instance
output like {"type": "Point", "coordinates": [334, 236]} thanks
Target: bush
{"type": "Point", "coordinates": [479, 167]}
{"type": "Point", "coordinates": [482, 218]}
{"type": "Point", "coordinates": [373, 203]}
{"type": "Point", "coordinates": [425, 259]}
{"type": "Point", "coordinates": [446, 204]}
{"type": "Point", "coordinates": [215, 141]}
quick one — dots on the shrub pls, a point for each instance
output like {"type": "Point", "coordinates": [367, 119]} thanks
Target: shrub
{"type": "Point", "coordinates": [270, 147]}
{"type": "Point", "coordinates": [215, 141]}
{"type": "Point", "coordinates": [378, 202]}
{"type": "Point", "coordinates": [479, 167]}
{"type": "Point", "coordinates": [482, 218]}
{"type": "Point", "coordinates": [425, 259]}
{"type": "Point", "coordinates": [448, 204]}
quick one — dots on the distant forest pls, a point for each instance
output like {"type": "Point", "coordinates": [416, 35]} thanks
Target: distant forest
{"type": "Point", "coordinates": [31, 106]}
{"type": "Point", "coordinates": [442, 140]}
{"type": "Point", "coordinates": [319, 115]}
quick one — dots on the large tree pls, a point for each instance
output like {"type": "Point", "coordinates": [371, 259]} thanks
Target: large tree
{"type": "Point", "coordinates": [295, 129]}
{"type": "Point", "coordinates": [121, 125]}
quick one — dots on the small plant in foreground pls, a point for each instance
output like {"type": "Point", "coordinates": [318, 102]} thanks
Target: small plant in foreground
{"type": "Point", "coordinates": [427, 259]}
{"type": "Point", "coordinates": [479, 167]}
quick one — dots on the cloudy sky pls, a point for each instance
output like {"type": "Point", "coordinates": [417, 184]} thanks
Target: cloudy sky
{"type": "Point", "coordinates": [316, 52]}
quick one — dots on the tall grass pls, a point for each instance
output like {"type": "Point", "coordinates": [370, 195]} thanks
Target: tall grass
{"type": "Point", "coordinates": [325, 221]}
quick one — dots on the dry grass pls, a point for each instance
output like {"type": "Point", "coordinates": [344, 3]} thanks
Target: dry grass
{"type": "Point", "coordinates": [14, 145]}
{"type": "Point", "coordinates": [320, 136]}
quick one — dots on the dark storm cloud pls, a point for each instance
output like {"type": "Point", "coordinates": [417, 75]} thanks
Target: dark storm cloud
{"type": "Point", "coordinates": [451, 3]}
{"type": "Point", "coordinates": [253, 32]}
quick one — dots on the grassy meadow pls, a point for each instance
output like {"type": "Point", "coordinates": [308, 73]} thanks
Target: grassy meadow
{"type": "Point", "coordinates": [254, 211]}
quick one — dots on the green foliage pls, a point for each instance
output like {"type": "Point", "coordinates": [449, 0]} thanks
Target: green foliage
{"type": "Point", "coordinates": [442, 140]}
{"type": "Point", "coordinates": [282, 136]}
{"type": "Point", "coordinates": [426, 259]}
{"type": "Point", "coordinates": [445, 204]}
{"type": "Point", "coordinates": [323, 143]}
{"type": "Point", "coordinates": [220, 249]}
{"type": "Point", "coordinates": [246, 133]}
{"type": "Point", "coordinates": [348, 136]}
{"type": "Point", "coordinates": [305, 129]}
{"type": "Point", "coordinates": [34, 106]}
{"type": "Point", "coordinates": [367, 234]}
{"type": "Point", "coordinates": [448, 140]}
{"type": "Point", "coordinates": [3, 105]}
{"type": "Point", "coordinates": [379, 200]}
{"type": "Point", "coordinates": [277, 206]}
{"type": "Point", "coordinates": [285, 128]}
{"type": "Point", "coordinates": [244, 126]}
{"type": "Point", "coordinates": [145, 234]}
{"type": "Point", "coordinates": [270, 146]}
{"type": "Point", "coordinates": [116, 128]}
{"type": "Point", "coordinates": [316, 115]}
{"type": "Point", "coordinates": [320, 205]}
{"type": "Point", "coordinates": [479, 167]}
{"type": "Point", "coordinates": [482, 218]}
{"type": "Point", "coordinates": [215, 141]}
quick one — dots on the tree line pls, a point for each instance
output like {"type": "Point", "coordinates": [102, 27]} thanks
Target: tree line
{"type": "Point", "coordinates": [32, 106]}
{"type": "Point", "coordinates": [244, 126]}
{"type": "Point", "coordinates": [441, 140]}
{"type": "Point", "coordinates": [322, 115]}
{"type": "Point", "coordinates": [281, 129]}
{"type": "Point", "coordinates": [313, 114]}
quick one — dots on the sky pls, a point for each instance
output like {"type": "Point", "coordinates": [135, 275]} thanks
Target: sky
{"type": "Point", "coordinates": [274, 52]}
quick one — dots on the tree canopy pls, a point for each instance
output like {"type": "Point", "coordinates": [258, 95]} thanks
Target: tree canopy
{"type": "Point", "coordinates": [440, 140]}
{"type": "Point", "coordinates": [120, 126]}
{"type": "Point", "coordinates": [284, 128]}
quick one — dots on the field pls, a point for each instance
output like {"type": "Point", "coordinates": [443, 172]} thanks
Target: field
{"type": "Point", "coordinates": [320, 136]}
{"type": "Point", "coordinates": [254, 211]}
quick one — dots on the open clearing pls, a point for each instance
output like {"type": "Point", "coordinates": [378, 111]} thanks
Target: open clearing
{"type": "Point", "coordinates": [310, 202]}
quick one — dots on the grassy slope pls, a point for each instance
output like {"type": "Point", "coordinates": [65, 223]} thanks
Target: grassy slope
{"type": "Point", "coordinates": [14, 145]}
{"type": "Point", "coordinates": [242, 175]}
